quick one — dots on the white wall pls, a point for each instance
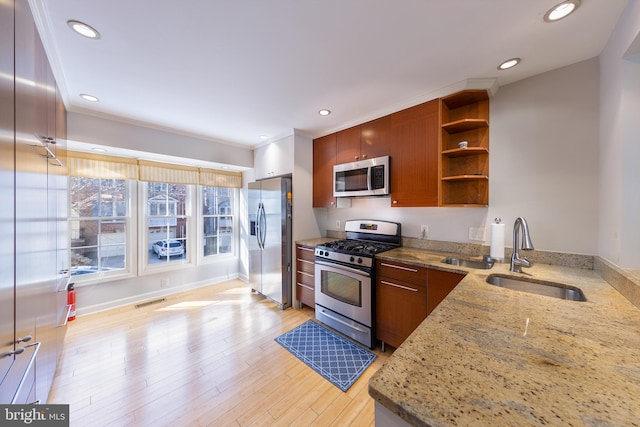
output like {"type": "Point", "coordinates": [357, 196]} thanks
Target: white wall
{"type": "Point", "coordinates": [543, 166]}
{"type": "Point", "coordinates": [95, 130]}
{"type": "Point", "coordinates": [619, 229]}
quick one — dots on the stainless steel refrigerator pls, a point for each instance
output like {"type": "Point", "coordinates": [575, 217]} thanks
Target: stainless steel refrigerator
{"type": "Point", "coordinates": [270, 239]}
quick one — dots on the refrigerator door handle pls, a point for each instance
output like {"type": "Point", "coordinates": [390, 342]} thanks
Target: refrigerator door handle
{"type": "Point", "coordinates": [257, 227]}
{"type": "Point", "coordinates": [263, 226]}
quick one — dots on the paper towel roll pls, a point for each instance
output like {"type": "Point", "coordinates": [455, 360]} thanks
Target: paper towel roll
{"type": "Point", "coordinates": [497, 241]}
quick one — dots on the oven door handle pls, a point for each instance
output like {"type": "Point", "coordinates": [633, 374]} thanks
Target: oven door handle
{"type": "Point", "coordinates": [343, 267]}
{"type": "Point", "coordinates": [351, 326]}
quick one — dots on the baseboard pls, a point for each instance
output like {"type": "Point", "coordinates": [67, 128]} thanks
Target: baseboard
{"type": "Point", "coordinates": [97, 308]}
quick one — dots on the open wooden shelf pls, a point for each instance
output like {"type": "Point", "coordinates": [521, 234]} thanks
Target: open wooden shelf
{"type": "Point", "coordinates": [464, 172]}
{"type": "Point", "coordinates": [464, 125]}
{"type": "Point", "coordinates": [464, 177]}
{"type": "Point", "coordinates": [461, 152]}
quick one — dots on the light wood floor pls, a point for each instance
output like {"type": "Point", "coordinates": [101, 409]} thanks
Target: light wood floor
{"type": "Point", "coordinates": [205, 357]}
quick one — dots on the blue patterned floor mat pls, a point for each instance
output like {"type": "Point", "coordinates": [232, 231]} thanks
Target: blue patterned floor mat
{"type": "Point", "coordinates": [335, 358]}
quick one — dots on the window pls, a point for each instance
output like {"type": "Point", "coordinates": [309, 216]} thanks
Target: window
{"type": "Point", "coordinates": [99, 218]}
{"type": "Point", "coordinates": [167, 222]}
{"type": "Point", "coordinates": [217, 214]}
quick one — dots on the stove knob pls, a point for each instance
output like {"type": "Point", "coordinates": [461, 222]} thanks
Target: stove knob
{"type": "Point", "coordinates": [359, 260]}
{"type": "Point", "coordinates": [352, 259]}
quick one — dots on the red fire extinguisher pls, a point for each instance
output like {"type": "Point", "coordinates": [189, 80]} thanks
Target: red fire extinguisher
{"type": "Point", "coordinates": [71, 300]}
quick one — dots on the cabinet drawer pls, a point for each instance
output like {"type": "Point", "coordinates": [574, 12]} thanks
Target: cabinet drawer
{"type": "Point", "coordinates": [403, 272]}
{"type": "Point", "coordinates": [305, 279]}
{"type": "Point", "coordinates": [306, 295]}
{"type": "Point", "coordinates": [305, 266]}
{"type": "Point", "coordinates": [303, 252]}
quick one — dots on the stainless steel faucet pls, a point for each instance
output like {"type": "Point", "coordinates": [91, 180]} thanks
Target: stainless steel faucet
{"type": "Point", "coordinates": [516, 262]}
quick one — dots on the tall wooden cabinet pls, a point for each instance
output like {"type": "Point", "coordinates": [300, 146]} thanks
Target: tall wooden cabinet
{"type": "Point", "coordinates": [414, 156]}
{"type": "Point", "coordinates": [34, 288]}
{"type": "Point", "coordinates": [464, 175]}
{"type": "Point", "coordinates": [324, 157]}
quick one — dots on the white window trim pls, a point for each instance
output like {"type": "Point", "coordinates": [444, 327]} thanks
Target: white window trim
{"type": "Point", "coordinates": [144, 268]}
{"type": "Point", "coordinates": [131, 251]}
{"type": "Point", "coordinates": [203, 260]}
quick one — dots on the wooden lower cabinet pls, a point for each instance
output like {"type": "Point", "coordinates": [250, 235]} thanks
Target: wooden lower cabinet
{"type": "Point", "coordinates": [401, 300]}
{"type": "Point", "coordinates": [405, 296]}
{"type": "Point", "coordinates": [440, 283]}
{"type": "Point", "coordinates": [305, 275]}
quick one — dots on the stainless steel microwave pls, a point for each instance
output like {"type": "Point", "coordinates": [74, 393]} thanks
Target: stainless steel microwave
{"type": "Point", "coordinates": [368, 177]}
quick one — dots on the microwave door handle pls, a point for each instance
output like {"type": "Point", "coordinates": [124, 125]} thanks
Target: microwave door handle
{"type": "Point", "coordinates": [369, 176]}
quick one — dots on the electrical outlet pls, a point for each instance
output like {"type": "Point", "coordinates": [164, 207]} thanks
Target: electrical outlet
{"type": "Point", "coordinates": [476, 233]}
{"type": "Point", "coordinates": [337, 224]}
{"type": "Point", "coordinates": [424, 231]}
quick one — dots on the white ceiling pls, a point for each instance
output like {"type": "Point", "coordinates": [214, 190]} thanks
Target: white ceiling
{"type": "Point", "coordinates": [234, 70]}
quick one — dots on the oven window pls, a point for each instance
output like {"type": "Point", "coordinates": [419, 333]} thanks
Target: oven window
{"type": "Point", "coordinates": [353, 180]}
{"type": "Point", "coordinates": [341, 287]}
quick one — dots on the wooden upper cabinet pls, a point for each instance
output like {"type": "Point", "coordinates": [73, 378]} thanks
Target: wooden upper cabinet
{"type": "Point", "coordinates": [375, 138]}
{"type": "Point", "coordinates": [365, 141]}
{"type": "Point", "coordinates": [414, 155]}
{"type": "Point", "coordinates": [348, 145]}
{"type": "Point", "coordinates": [324, 157]}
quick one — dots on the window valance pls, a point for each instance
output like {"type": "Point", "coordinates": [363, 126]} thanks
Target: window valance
{"type": "Point", "coordinates": [111, 167]}
{"type": "Point", "coordinates": [99, 166]}
{"type": "Point", "coordinates": [216, 178]}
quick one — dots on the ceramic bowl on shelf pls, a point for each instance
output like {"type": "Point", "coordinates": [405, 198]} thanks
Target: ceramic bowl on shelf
{"type": "Point", "coordinates": [463, 144]}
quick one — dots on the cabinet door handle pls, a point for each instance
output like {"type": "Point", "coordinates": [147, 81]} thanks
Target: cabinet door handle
{"type": "Point", "coordinates": [395, 202]}
{"type": "Point", "coordinates": [395, 285]}
{"type": "Point", "coordinates": [306, 274]}
{"type": "Point", "coordinates": [413, 270]}
{"type": "Point", "coordinates": [306, 262]}
{"type": "Point", "coordinates": [302, 248]}
{"type": "Point", "coordinates": [306, 287]}
{"type": "Point", "coordinates": [24, 339]}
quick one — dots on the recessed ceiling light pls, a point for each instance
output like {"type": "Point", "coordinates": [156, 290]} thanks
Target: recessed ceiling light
{"type": "Point", "coordinates": [561, 10]}
{"type": "Point", "coordinates": [324, 112]}
{"type": "Point", "coordinates": [88, 97]}
{"type": "Point", "coordinates": [263, 137]}
{"type": "Point", "coordinates": [509, 63]}
{"type": "Point", "coordinates": [84, 29]}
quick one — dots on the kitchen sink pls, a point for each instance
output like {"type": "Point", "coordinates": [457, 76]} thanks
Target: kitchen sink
{"type": "Point", "coordinates": [470, 263]}
{"type": "Point", "coordinates": [550, 289]}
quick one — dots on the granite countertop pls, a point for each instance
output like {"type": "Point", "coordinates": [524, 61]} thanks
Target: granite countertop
{"type": "Point", "coordinates": [493, 356]}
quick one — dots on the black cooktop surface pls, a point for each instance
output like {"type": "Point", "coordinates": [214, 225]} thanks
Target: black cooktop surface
{"type": "Point", "coordinates": [357, 247]}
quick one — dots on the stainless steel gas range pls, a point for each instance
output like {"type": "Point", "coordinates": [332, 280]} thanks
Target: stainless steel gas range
{"type": "Point", "coordinates": [344, 275]}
